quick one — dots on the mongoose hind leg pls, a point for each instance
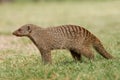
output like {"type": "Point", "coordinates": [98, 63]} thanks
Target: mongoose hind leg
{"type": "Point", "coordinates": [46, 56]}
{"type": "Point", "coordinates": [87, 52]}
{"type": "Point", "coordinates": [75, 55]}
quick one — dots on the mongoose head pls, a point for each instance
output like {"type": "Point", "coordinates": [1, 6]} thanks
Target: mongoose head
{"type": "Point", "coordinates": [24, 30]}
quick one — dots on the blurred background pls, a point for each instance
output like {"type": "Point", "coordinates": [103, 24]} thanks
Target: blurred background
{"type": "Point", "coordinates": [87, 13]}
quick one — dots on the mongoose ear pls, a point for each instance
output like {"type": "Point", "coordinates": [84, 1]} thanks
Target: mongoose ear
{"type": "Point", "coordinates": [29, 29]}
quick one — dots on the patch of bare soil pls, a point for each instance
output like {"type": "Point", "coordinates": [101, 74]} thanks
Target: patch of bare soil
{"type": "Point", "coordinates": [11, 46]}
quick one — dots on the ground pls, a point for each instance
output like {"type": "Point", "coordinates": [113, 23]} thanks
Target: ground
{"type": "Point", "coordinates": [20, 59]}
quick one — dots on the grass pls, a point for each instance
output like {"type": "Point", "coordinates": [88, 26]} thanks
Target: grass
{"type": "Point", "coordinates": [20, 59]}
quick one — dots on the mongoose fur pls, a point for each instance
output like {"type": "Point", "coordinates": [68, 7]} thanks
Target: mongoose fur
{"type": "Point", "coordinates": [76, 39]}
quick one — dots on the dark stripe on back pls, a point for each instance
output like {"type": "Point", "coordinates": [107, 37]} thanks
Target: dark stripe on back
{"type": "Point", "coordinates": [84, 32]}
{"type": "Point", "coordinates": [74, 28]}
{"type": "Point", "coordinates": [87, 33]}
{"type": "Point", "coordinates": [78, 30]}
{"type": "Point", "coordinates": [71, 30]}
{"type": "Point", "coordinates": [65, 29]}
{"type": "Point", "coordinates": [62, 30]}
{"type": "Point", "coordinates": [58, 29]}
{"type": "Point", "coordinates": [68, 30]}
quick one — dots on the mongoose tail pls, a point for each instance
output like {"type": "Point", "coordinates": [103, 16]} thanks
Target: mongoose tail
{"type": "Point", "coordinates": [99, 48]}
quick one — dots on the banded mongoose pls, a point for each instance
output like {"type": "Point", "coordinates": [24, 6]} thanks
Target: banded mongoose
{"type": "Point", "coordinates": [78, 40]}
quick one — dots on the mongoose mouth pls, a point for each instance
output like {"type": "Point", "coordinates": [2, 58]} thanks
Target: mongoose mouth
{"type": "Point", "coordinates": [14, 33]}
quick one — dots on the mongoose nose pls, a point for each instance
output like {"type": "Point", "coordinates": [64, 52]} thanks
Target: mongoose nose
{"type": "Point", "coordinates": [13, 33]}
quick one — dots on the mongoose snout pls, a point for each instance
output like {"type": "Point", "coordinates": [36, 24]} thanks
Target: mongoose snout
{"type": "Point", "coordinates": [15, 33]}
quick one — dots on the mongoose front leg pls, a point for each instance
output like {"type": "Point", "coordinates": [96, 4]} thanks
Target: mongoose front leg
{"type": "Point", "coordinates": [46, 56]}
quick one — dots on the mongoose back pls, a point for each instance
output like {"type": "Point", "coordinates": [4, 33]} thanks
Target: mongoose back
{"type": "Point", "coordinates": [78, 40]}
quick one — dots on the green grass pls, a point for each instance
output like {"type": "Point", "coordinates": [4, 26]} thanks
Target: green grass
{"type": "Point", "coordinates": [20, 59]}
